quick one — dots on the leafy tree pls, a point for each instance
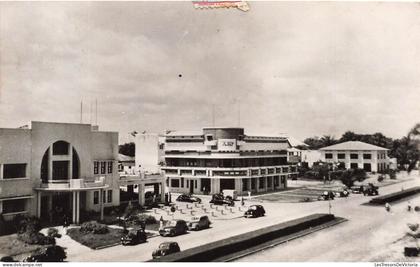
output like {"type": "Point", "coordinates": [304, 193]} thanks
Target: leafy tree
{"type": "Point", "coordinates": [128, 149]}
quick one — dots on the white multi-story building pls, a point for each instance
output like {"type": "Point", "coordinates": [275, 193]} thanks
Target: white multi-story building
{"type": "Point", "coordinates": [356, 154]}
{"type": "Point", "coordinates": [50, 169]}
{"type": "Point", "coordinates": [219, 158]}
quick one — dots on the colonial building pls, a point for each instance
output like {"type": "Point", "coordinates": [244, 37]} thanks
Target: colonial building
{"type": "Point", "coordinates": [215, 159]}
{"type": "Point", "coordinates": [356, 154]}
{"type": "Point", "coordinates": [52, 169]}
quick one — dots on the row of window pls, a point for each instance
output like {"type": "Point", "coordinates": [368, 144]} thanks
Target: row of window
{"type": "Point", "coordinates": [106, 197]}
{"type": "Point", "coordinates": [103, 167]}
{"type": "Point", "coordinates": [352, 156]}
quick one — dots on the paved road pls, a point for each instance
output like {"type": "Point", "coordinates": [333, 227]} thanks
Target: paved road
{"type": "Point", "coordinates": [348, 241]}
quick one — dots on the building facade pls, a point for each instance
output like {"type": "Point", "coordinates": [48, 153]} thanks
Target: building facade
{"type": "Point", "coordinates": [225, 158]}
{"type": "Point", "coordinates": [356, 154]}
{"type": "Point", "coordinates": [52, 169]}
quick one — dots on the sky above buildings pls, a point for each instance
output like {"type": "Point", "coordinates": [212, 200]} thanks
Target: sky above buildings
{"type": "Point", "coordinates": [301, 68]}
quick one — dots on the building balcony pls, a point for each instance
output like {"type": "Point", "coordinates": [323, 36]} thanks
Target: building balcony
{"type": "Point", "coordinates": [74, 184]}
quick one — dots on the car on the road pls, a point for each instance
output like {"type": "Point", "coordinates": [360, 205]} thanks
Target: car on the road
{"type": "Point", "coordinates": [342, 193]}
{"type": "Point", "coordinates": [219, 199]}
{"type": "Point", "coordinates": [356, 189]}
{"type": "Point", "coordinates": [6, 258]}
{"type": "Point", "coordinates": [165, 248]}
{"type": "Point", "coordinates": [134, 237]}
{"type": "Point", "coordinates": [173, 228]}
{"type": "Point", "coordinates": [47, 254]}
{"type": "Point", "coordinates": [326, 195]}
{"type": "Point", "coordinates": [199, 222]}
{"type": "Point", "coordinates": [188, 198]}
{"type": "Point", "coordinates": [254, 211]}
{"type": "Point", "coordinates": [370, 190]}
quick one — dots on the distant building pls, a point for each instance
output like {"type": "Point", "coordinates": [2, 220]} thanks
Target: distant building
{"type": "Point", "coordinates": [52, 169]}
{"type": "Point", "coordinates": [126, 164]}
{"type": "Point", "coordinates": [356, 154]}
{"type": "Point", "coordinates": [218, 158]}
{"type": "Point", "coordinates": [309, 157]}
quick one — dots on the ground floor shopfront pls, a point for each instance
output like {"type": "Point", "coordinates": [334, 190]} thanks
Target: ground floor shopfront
{"type": "Point", "coordinates": [217, 185]}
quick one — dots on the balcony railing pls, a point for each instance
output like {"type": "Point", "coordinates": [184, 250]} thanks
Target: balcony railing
{"type": "Point", "coordinates": [74, 183]}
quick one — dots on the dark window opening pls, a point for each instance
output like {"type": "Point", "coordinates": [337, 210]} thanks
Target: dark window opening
{"type": "Point", "coordinates": [96, 167]}
{"type": "Point", "coordinates": [341, 156]}
{"type": "Point", "coordinates": [103, 163]}
{"type": "Point", "coordinates": [15, 205]}
{"type": "Point", "coordinates": [174, 183]}
{"type": "Point", "coordinates": [109, 196]}
{"type": "Point", "coordinates": [182, 182]}
{"type": "Point", "coordinates": [44, 166]}
{"type": "Point", "coordinates": [110, 167]}
{"type": "Point", "coordinates": [354, 156]}
{"type": "Point", "coordinates": [60, 148]}
{"type": "Point", "coordinates": [11, 171]}
{"type": "Point", "coordinates": [328, 155]}
{"type": "Point", "coordinates": [354, 165]}
{"type": "Point", "coordinates": [95, 197]}
{"type": "Point", "coordinates": [60, 170]}
{"type": "Point", "coordinates": [367, 156]}
{"type": "Point", "coordinates": [75, 165]}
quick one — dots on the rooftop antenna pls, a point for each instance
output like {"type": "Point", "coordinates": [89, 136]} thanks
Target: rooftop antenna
{"type": "Point", "coordinates": [81, 111]}
{"type": "Point", "coordinates": [96, 111]}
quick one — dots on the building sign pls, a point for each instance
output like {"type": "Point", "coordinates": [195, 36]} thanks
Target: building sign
{"type": "Point", "coordinates": [226, 144]}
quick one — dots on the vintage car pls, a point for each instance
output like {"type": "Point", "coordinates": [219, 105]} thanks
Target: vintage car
{"type": "Point", "coordinates": [326, 195]}
{"type": "Point", "coordinates": [47, 254]}
{"type": "Point", "coordinates": [254, 211]}
{"type": "Point", "coordinates": [134, 237]}
{"type": "Point", "coordinates": [199, 222]}
{"type": "Point", "coordinates": [188, 198]}
{"type": "Point", "coordinates": [356, 189]}
{"type": "Point", "coordinates": [342, 193]}
{"type": "Point", "coordinates": [370, 190]}
{"type": "Point", "coordinates": [230, 194]}
{"type": "Point", "coordinates": [173, 228]}
{"type": "Point", "coordinates": [219, 199]}
{"type": "Point", "coordinates": [165, 248]}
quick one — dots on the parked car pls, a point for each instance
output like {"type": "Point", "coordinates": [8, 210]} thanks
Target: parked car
{"type": "Point", "coordinates": [230, 194]}
{"type": "Point", "coordinates": [357, 189]}
{"type": "Point", "coordinates": [219, 199]}
{"type": "Point", "coordinates": [173, 228]}
{"type": "Point", "coordinates": [326, 195]}
{"type": "Point", "coordinates": [188, 198]}
{"type": "Point", "coordinates": [6, 258]}
{"type": "Point", "coordinates": [254, 211]}
{"type": "Point", "coordinates": [134, 237]}
{"type": "Point", "coordinates": [47, 254]}
{"type": "Point", "coordinates": [370, 190]}
{"type": "Point", "coordinates": [166, 248]}
{"type": "Point", "coordinates": [342, 193]}
{"type": "Point", "coordinates": [199, 222]}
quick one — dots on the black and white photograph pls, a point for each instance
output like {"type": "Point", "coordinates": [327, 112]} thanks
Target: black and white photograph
{"type": "Point", "coordinates": [154, 132]}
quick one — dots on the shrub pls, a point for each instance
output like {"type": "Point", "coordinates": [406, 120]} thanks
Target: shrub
{"type": "Point", "coordinates": [53, 232]}
{"type": "Point", "coordinates": [392, 174]}
{"type": "Point", "coordinates": [148, 219]}
{"type": "Point", "coordinates": [381, 178]}
{"type": "Point", "coordinates": [24, 223]}
{"type": "Point", "coordinates": [94, 227]}
{"type": "Point", "coordinates": [36, 238]}
{"type": "Point", "coordinates": [348, 177]}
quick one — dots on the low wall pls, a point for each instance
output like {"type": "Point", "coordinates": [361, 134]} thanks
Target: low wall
{"type": "Point", "coordinates": [214, 250]}
{"type": "Point", "coordinates": [395, 196]}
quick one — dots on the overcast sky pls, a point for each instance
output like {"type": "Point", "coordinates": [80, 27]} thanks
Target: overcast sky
{"type": "Point", "coordinates": [299, 68]}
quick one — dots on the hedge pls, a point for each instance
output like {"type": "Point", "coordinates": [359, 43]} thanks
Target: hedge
{"type": "Point", "coordinates": [395, 196]}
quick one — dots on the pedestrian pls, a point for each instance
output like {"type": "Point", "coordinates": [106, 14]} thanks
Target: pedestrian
{"type": "Point", "coordinates": [408, 206]}
{"type": "Point", "coordinates": [387, 207]}
{"type": "Point", "coordinates": [65, 223]}
{"type": "Point", "coordinates": [161, 223]}
{"type": "Point", "coordinates": [242, 201]}
{"type": "Point", "coordinates": [249, 194]}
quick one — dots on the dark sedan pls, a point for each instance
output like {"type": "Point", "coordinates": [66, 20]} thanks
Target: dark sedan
{"type": "Point", "coordinates": [255, 211]}
{"type": "Point", "coordinates": [166, 248]}
{"type": "Point", "coordinates": [219, 199]}
{"type": "Point", "coordinates": [188, 198]}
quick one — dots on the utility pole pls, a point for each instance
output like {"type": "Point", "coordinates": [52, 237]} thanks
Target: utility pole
{"type": "Point", "coordinates": [213, 119]}
{"type": "Point", "coordinates": [96, 111]}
